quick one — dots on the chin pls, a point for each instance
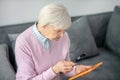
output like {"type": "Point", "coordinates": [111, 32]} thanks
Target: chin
{"type": "Point", "coordinates": [56, 39]}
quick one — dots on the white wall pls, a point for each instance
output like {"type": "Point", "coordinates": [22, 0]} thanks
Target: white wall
{"type": "Point", "coordinates": [22, 11]}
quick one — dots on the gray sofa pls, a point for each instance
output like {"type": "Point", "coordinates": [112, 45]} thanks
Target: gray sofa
{"type": "Point", "coordinates": [94, 38]}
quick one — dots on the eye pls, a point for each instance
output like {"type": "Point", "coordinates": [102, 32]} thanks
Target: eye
{"type": "Point", "coordinates": [59, 31]}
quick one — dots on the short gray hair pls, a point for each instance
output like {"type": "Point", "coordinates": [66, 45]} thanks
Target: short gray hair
{"type": "Point", "coordinates": [54, 14]}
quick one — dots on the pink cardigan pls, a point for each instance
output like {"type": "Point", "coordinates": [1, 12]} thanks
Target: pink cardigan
{"type": "Point", "coordinates": [34, 61]}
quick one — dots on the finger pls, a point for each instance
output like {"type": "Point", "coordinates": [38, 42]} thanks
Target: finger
{"type": "Point", "coordinates": [68, 69]}
{"type": "Point", "coordinates": [85, 66]}
{"type": "Point", "coordinates": [69, 64]}
{"type": "Point", "coordinates": [82, 68]}
{"type": "Point", "coordinates": [72, 63]}
{"type": "Point", "coordinates": [88, 66]}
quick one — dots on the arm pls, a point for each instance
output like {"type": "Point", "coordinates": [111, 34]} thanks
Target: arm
{"type": "Point", "coordinates": [71, 73]}
{"type": "Point", "coordinates": [77, 68]}
{"type": "Point", "coordinates": [26, 68]}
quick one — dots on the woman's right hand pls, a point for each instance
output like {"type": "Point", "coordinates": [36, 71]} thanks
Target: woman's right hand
{"type": "Point", "coordinates": [63, 66]}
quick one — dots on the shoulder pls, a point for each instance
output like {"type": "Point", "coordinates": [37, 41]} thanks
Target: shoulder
{"type": "Point", "coordinates": [25, 35]}
{"type": "Point", "coordinates": [24, 39]}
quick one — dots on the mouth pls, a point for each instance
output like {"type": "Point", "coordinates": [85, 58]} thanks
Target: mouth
{"type": "Point", "coordinates": [55, 39]}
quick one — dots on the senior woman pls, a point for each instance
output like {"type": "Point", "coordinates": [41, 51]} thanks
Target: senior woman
{"type": "Point", "coordinates": [42, 50]}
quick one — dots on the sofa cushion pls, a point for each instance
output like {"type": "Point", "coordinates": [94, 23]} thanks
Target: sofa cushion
{"type": "Point", "coordinates": [108, 71]}
{"type": "Point", "coordinates": [6, 70]}
{"type": "Point", "coordinates": [82, 41]}
{"type": "Point", "coordinates": [12, 38]}
{"type": "Point", "coordinates": [98, 24]}
{"type": "Point", "coordinates": [4, 37]}
{"type": "Point", "coordinates": [113, 32]}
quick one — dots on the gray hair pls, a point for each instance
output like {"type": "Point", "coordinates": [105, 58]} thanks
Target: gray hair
{"type": "Point", "coordinates": [54, 14]}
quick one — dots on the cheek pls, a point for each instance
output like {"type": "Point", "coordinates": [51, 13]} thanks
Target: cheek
{"type": "Point", "coordinates": [52, 35]}
{"type": "Point", "coordinates": [55, 35]}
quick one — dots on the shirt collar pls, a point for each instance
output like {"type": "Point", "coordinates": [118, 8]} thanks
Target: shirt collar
{"type": "Point", "coordinates": [45, 41]}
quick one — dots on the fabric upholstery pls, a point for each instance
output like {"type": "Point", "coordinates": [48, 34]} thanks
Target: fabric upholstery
{"type": "Point", "coordinates": [12, 38]}
{"type": "Point", "coordinates": [113, 32]}
{"type": "Point", "coordinates": [109, 68]}
{"type": "Point", "coordinates": [4, 37]}
{"type": "Point", "coordinates": [108, 71]}
{"type": "Point", "coordinates": [98, 24]}
{"type": "Point", "coordinates": [82, 41]}
{"type": "Point", "coordinates": [6, 70]}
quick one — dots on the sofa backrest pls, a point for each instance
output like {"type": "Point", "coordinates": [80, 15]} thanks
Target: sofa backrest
{"type": "Point", "coordinates": [98, 24]}
{"type": "Point", "coordinates": [18, 28]}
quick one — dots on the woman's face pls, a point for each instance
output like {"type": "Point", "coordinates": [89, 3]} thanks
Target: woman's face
{"type": "Point", "coordinates": [53, 33]}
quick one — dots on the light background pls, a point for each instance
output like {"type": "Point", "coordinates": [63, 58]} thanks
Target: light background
{"type": "Point", "coordinates": [23, 11]}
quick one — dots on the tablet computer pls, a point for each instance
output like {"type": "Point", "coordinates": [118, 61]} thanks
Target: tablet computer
{"type": "Point", "coordinates": [86, 71]}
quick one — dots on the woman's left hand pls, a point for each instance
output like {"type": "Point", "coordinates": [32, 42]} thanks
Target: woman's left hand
{"type": "Point", "coordinates": [81, 68]}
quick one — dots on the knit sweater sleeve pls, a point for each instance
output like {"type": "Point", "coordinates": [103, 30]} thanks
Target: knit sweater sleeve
{"type": "Point", "coordinates": [26, 68]}
{"type": "Point", "coordinates": [69, 74]}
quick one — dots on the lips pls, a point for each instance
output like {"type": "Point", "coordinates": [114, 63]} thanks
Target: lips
{"type": "Point", "coordinates": [56, 38]}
